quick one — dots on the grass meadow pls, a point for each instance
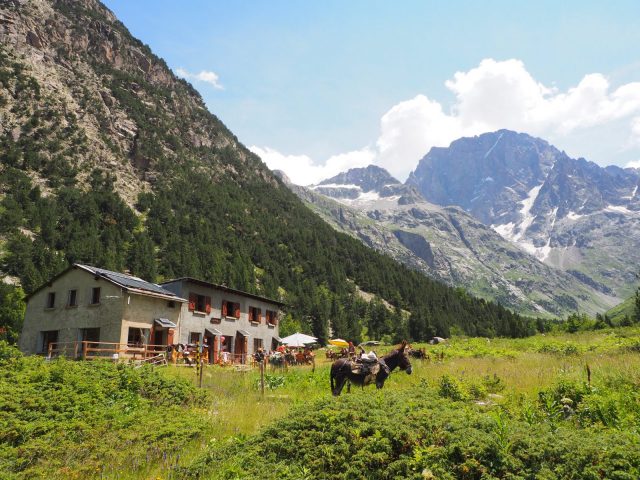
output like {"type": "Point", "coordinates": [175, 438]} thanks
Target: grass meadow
{"type": "Point", "coordinates": [477, 408]}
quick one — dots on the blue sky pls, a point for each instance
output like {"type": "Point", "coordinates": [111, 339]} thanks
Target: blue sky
{"type": "Point", "coordinates": [315, 87]}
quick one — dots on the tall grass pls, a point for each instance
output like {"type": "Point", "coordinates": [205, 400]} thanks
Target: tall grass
{"type": "Point", "coordinates": [511, 374]}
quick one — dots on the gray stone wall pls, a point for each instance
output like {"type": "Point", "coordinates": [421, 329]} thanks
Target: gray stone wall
{"type": "Point", "coordinates": [67, 320]}
{"type": "Point", "coordinates": [113, 315]}
{"type": "Point", "coordinates": [198, 321]}
{"type": "Point", "coordinates": [140, 311]}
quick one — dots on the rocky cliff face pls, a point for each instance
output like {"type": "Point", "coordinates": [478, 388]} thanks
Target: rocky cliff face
{"type": "Point", "coordinates": [363, 185]}
{"type": "Point", "coordinates": [446, 243]}
{"type": "Point", "coordinates": [100, 96]}
{"type": "Point", "coordinates": [569, 213]}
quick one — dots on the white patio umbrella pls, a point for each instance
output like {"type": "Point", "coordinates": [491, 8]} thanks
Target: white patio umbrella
{"type": "Point", "coordinates": [298, 340]}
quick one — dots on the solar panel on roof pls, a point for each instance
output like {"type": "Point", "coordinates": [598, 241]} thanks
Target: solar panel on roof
{"type": "Point", "coordinates": [129, 281]}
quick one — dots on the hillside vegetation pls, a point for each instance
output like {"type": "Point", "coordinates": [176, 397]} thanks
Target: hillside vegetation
{"type": "Point", "coordinates": [554, 407]}
{"type": "Point", "coordinates": [109, 159]}
{"type": "Point", "coordinates": [66, 419]}
{"type": "Point", "coordinates": [478, 408]}
{"type": "Point", "coordinates": [627, 311]}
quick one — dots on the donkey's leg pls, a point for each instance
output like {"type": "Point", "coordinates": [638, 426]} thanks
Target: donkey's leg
{"type": "Point", "coordinates": [340, 385]}
{"type": "Point", "coordinates": [340, 381]}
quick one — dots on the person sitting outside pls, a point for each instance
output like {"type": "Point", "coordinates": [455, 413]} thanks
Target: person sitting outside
{"type": "Point", "coordinates": [352, 350]}
{"type": "Point", "coordinates": [259, 355]}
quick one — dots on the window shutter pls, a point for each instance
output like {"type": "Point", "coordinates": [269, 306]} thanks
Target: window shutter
{"type": "Point", "coordinates": [223, 309]}
{"type": "Point", "coordinates": [251, 311]}
{"type": "Point", "coordinates": [259, 319]}
{"type": "Point", "coordinates": [237, 310]}
{"type": "Point", "coordinates": [207, 303]}
{"type": "Point", "coordinates": [192, 301]}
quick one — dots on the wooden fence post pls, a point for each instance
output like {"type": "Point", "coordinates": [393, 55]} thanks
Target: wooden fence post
{"type": "Point", "coordinates": [262, 377]}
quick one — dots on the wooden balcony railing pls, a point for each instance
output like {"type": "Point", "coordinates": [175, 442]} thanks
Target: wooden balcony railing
{"type": "Point", "coordinates": [88, 350]}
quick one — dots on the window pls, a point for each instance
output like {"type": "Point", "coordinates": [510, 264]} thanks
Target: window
{"type": "Point", "coordinates": [272, 317]}
{"type": "Point", "coordinates": [230, 309]}
{"type": "Point", "coordinates": [199, 303]}
{"type": "Point", "coordinates": [194, 337]}
{"type": "Point", "coordinates": [47, 338]}
{"type": "Point", "coordinates": [72, 301]}
{"type": "Point", "coordinates": [51, 300]}
{"type": "Point", "coordinates": [255, 315]}
{"type": "Point", "coordinates": [257, 343]}
{"type": "Point", "coordinates": [137, 336]}
{"type": "Point", "coordinates": [95, 296]}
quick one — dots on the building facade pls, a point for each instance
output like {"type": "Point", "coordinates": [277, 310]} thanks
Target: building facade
{"type": "Point", "coordinates": [232, 323]}
{"type": "Point", "coordinates": [111, 313]}
{"type": "Point", "coordinates": [89, 304]}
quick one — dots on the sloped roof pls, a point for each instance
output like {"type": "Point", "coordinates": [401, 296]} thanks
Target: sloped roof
{"type": "Point", "coordinates": [129, 282]}
{"type": "Point", "coordinates": [224, 289]}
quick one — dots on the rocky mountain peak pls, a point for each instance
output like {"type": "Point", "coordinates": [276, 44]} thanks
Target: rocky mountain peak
{"type": "Point", "coordinates": [565, 211]}
{"type": "Point", "coordinates": [366, 185]}
{"type": "Point", "coordinates": [368, 178]}
{"type": "Point", "coordinates": [486, 174]}
{"type": "Point", "coordinates": [282, 176]}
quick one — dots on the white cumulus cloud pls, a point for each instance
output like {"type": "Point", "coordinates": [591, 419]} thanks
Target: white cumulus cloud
{"type": "Point", "coordinates": [492, 96]}
{"type": "Point", "coordinates": [302, 170]}
{"type": "Point", "coordinates": [633, 164]}
{"type": "Point", "coordinates": [205, 76]}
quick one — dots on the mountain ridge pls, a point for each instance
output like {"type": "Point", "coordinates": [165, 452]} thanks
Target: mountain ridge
{"type": "Point", "coordinates": [564, 211]}
{"type": "Point", "coordinates": [108, 158]}
{"type": "Point", "coordinates": [446, 243]}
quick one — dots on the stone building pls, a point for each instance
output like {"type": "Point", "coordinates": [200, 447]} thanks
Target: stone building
{"type": "Point", "coordinates": [112, 312]}
{"type": "Point", "coordinates": [227, 320]}
{"type": "Point", "coordinates": [85, 303]}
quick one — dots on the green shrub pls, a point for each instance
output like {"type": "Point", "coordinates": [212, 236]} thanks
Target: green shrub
{"type": "Point", "coordinates": [477, 391]}
{"type": "Point", "coordinates": [271, 382]}
{"type": "Point", "coordinates": [493, 383]}
{"type": "Point", "coordinates": [451, 388]}
{"type": "Point", "coordinates": [63, 418]}
{"type": "Point", "coordinates": [8, 353]}
{"type": "Point", "coordinates": [416, 435]}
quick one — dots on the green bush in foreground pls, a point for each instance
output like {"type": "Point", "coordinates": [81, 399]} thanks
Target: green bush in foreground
{"type": "Point", "coordinates": [415, 434]}
{"type": "Point", "coordinates": [65, 419]}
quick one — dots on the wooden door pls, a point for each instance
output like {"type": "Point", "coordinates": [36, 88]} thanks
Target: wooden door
{"type": "Point", "coordinates": [216, 348]}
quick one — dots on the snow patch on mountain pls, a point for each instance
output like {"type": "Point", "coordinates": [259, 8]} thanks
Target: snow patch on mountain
{"type": "Point", "coordinates": [334, 185]}
{"type": "Point", "coordinates": [515, 233]}
{"type": "Point", "coordinates": [368, 196]}
{"type": "Point", "coordinates": [554, 216]}
{"type": "Point", "coordinates": [493, 146]}
{"type": "Point", "coordinates": [541, 253]}
{"type": "Point", "coordinates": [618, 209]}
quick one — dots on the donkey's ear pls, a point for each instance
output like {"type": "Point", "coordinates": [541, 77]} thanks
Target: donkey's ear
{"type": "Point", "coordinates": [403, 345]}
